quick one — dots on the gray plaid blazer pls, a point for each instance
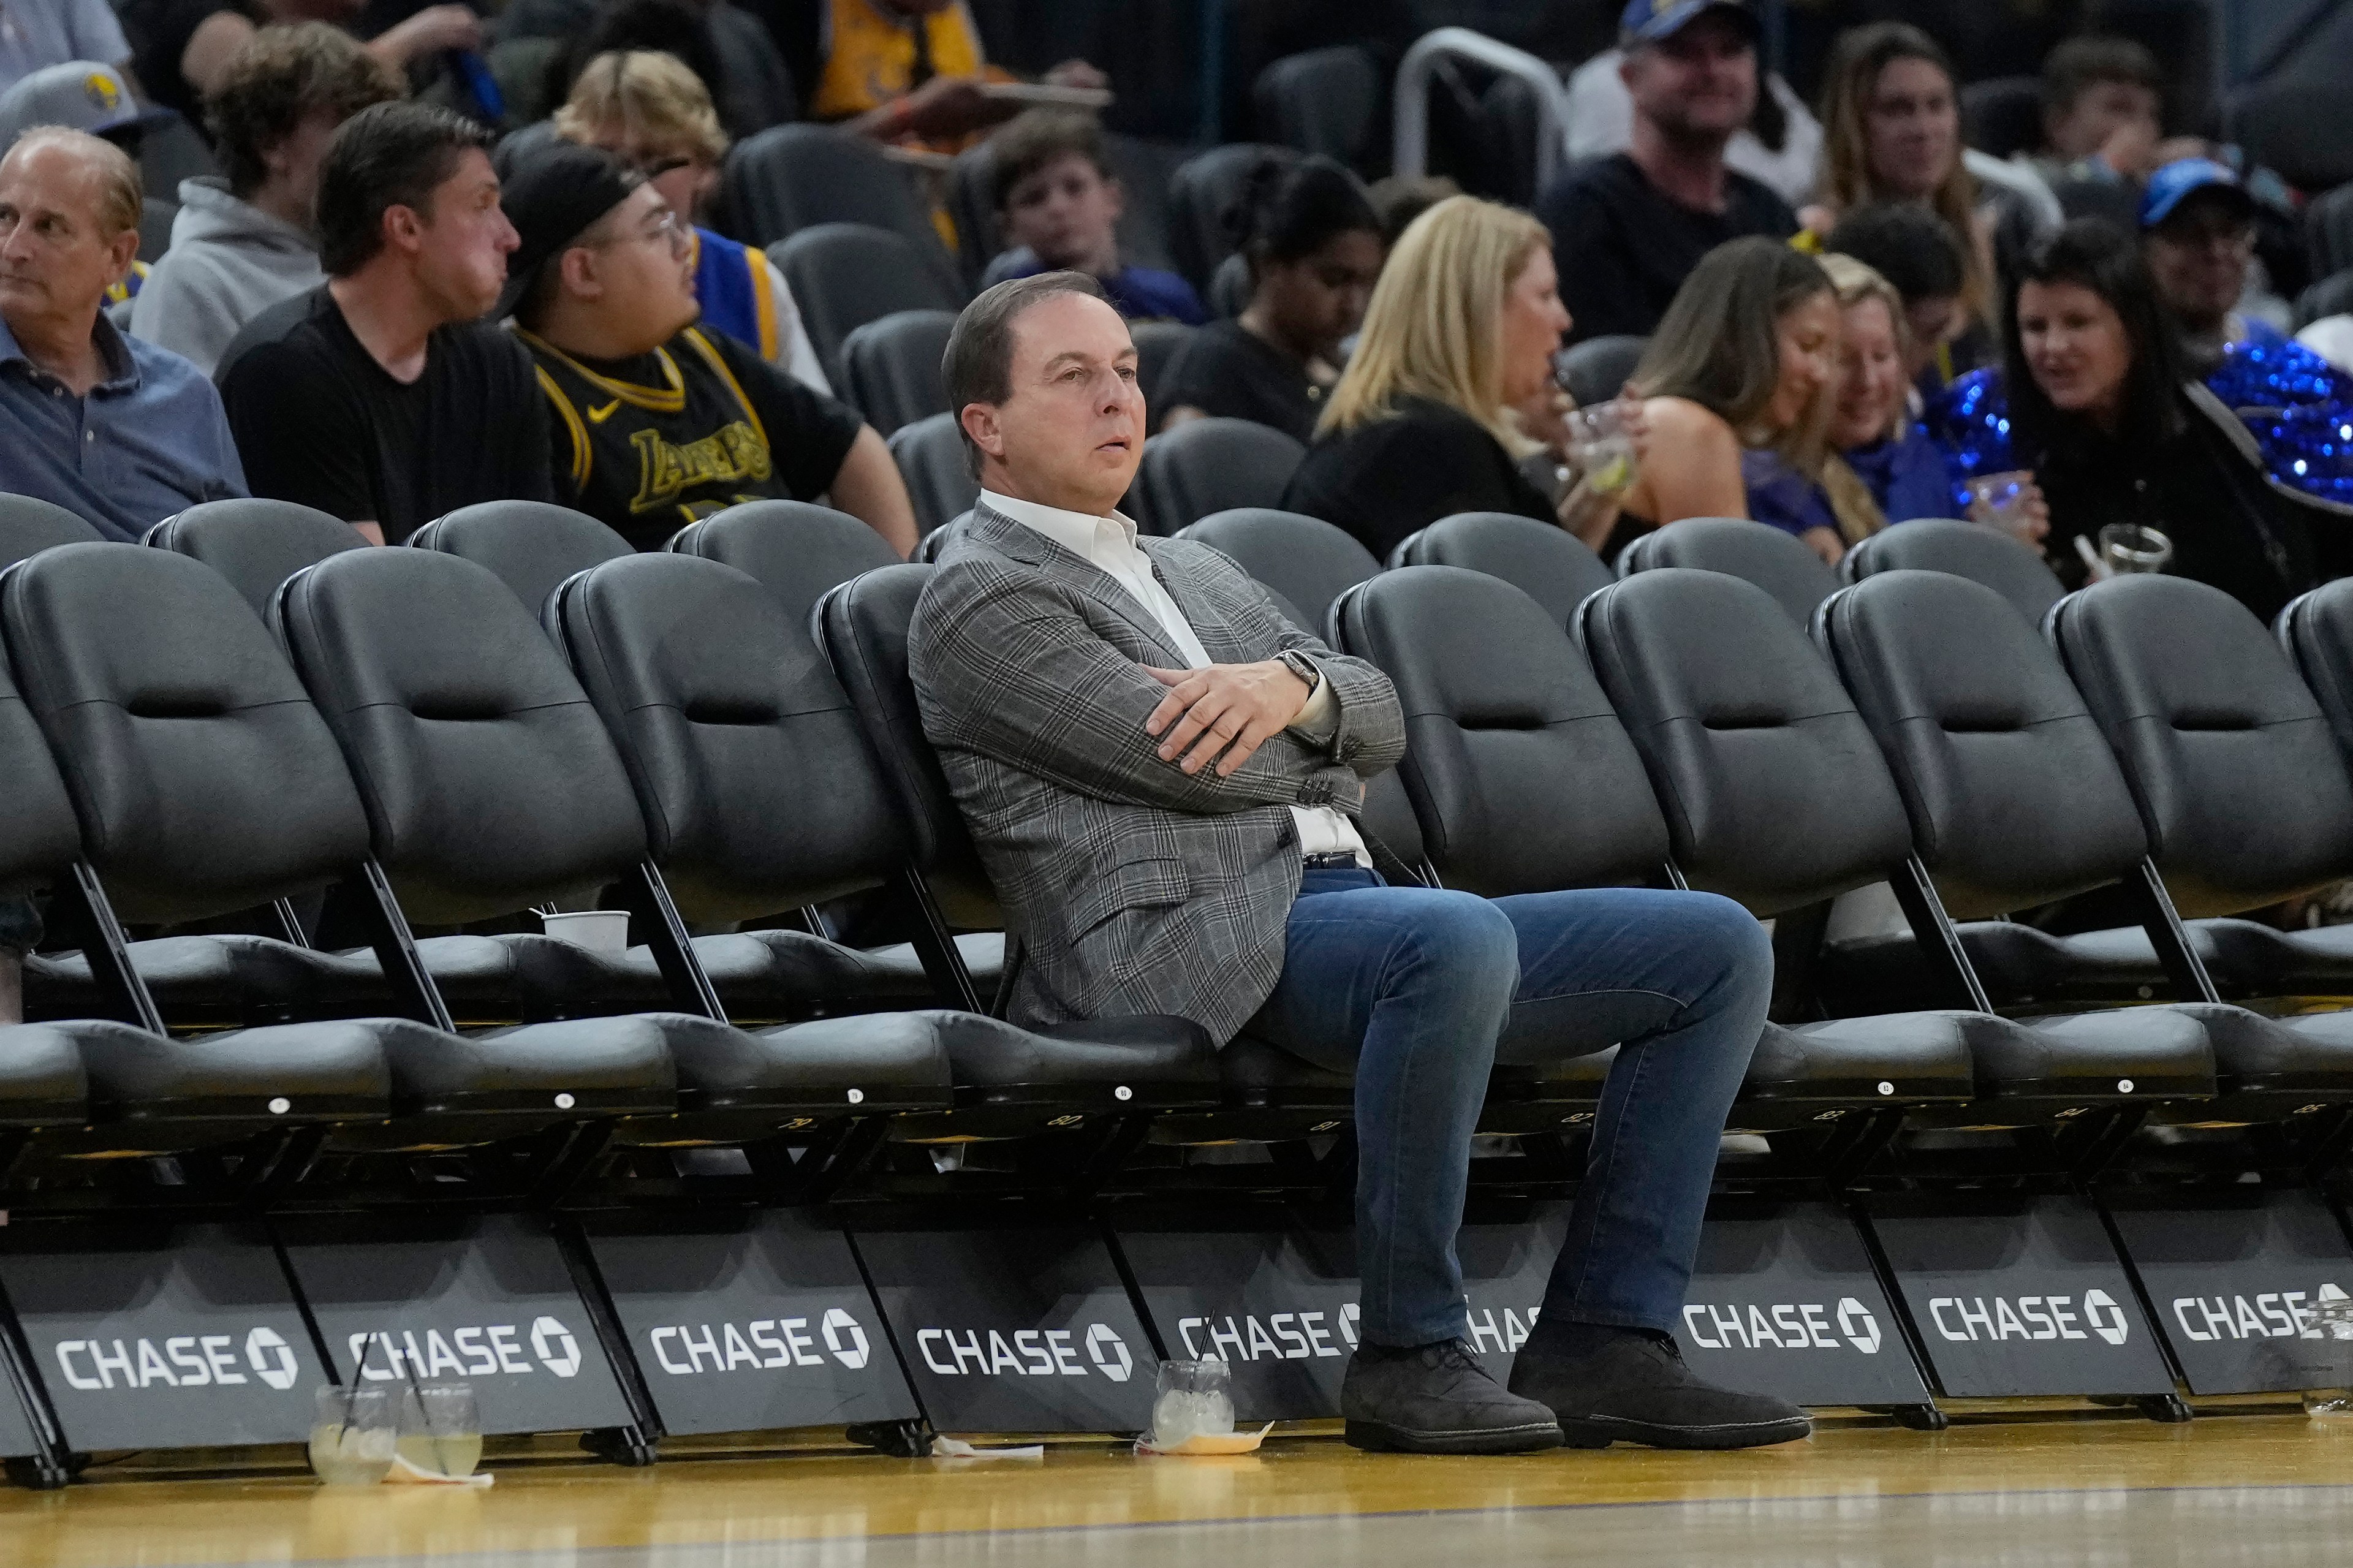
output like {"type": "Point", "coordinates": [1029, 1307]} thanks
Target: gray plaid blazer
{"type": "Point", "coordinates": [1130, 887]}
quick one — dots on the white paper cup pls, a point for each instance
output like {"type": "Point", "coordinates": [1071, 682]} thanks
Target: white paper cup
{"type": "Point", "coordinates": [605, 931]}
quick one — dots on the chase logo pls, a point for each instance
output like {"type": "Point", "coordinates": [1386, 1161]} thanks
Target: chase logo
{"type": "Point", "coordinates": [1784, 1326]}
{"type": "Point", "coordinates": [493, 1351]}
{"type": "Point", "coordinates": [2274, 1315]}
{"type": "Point", "coordinates": [104, 95]}
{"type": "Point", "coordinates": [771, 1344]}
{"type": "Point", "coordinates": [183, 1360]}
{"type": "Point", "coordinates": [1965, 1319]}
{"type": "Point", "coordinates": [1029, 1353]}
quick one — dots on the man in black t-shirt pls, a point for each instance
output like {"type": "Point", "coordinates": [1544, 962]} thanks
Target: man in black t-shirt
{"type": "Point", "coordinates": [382, 398]}
{"type": "Point", "coordinates": [655, 423]}
{"type": "Point", "coordinates": [1628, 229]}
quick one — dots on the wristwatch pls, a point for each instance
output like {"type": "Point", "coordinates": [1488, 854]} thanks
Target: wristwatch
{"type": "Point", "coordinates": [1302, 667]}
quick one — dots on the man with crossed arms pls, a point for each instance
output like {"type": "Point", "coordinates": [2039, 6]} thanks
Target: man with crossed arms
{"type": "Point", "coordinates": [1162, 774]}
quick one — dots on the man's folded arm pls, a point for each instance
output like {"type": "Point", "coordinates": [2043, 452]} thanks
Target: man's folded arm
{"type": "Point", "coordinates": [1017, 675]}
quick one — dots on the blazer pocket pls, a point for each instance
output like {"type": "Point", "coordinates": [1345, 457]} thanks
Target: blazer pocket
{"type": "Point", "coordinates": [1149, 883]}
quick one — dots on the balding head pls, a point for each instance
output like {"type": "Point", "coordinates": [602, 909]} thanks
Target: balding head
{"type": "Point", "coordinates": [111, 177]}
{"type": "Point", "coordinates": [69, 229]}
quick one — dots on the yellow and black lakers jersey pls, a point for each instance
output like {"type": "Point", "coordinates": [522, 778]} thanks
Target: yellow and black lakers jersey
{"type": "Point", "coordinates": [650, 445]}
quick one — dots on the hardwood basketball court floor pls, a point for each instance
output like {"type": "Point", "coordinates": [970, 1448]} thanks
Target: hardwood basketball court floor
{"type": "Point", "coordinates": [2058, 1490]}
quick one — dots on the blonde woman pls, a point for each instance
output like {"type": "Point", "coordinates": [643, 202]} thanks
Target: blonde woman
{"type": "Point", "coordinates": [1736, 386]}
{"type": "Point", "coordinates": [1460, 330]}
{"type": "Point", "coordinates": [652, 113]}
{"type": "Point", "coordinates": [1880, 470]}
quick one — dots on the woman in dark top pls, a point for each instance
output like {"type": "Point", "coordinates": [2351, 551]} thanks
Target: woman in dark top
{"type": "Point", "coordinates": [1462, 329]}
{"type": "Point", "coordinates": [2094, 399]}
{"type": "Point", "coordinates": [1314, 247]}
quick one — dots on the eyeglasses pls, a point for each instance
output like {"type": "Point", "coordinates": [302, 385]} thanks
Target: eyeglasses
{"type": "Point", "coordinates": [666, 229]}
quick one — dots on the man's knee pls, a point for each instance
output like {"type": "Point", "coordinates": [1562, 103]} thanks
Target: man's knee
{"type": "Point", "coordinates": [1463, 937]}
{"type": "Point", "coordinates": [1743, 947]}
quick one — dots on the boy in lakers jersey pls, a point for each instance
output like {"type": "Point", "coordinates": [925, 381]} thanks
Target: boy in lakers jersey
{"type": "Point", "coordinates": [654, 421]}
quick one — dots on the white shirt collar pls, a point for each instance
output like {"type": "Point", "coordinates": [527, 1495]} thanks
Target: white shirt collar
{"type": "Point", "coordinates": [1084, 534]}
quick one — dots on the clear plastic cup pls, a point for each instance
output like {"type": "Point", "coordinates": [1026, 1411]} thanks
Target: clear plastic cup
{"type": "Point", "coordinates": [440, 1431]}
{"type": "Point", "coordinates": [1599, 447]}
{"type": "Point", "coordinates": [1998, 499]}
{"type": "Point", "coordinates": [1194, 1399]}
{"type": "Point", "coordinates": [2127, 547]}
{"type": "Point", "coordinates": [352, 1436]}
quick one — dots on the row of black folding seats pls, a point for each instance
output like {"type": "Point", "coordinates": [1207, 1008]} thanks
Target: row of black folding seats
{"type": "Point", "coordinates": [488, 785]}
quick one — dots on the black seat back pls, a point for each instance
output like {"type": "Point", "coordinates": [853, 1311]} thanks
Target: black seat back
{"type": "Point", "coordinates": [930, 454]}
{"type": "Point", "coordinates": [845, 275]}
{"type": "Point", "coordinates": [758, 791]}
{"type": "Point", "coordinates": [256, 543]}
{"type": "Point", "coordinates": [1597, 369]}
{"type": "Point", "coordinates": [2013, 796]}
{"type": "Point", "coordinates": [1324, 101]}
{"type": "Point", "coordinates": [1773, 788]}
{"type": "Point", "coordinates": [1970, 550]}
{"type": "Point", "coordinates": [1543, 561]}
{"type": "Point", "coordinates": [793, 177]}
{"type": "Point", "coordinates": [891, 367]}
{"type": "Point", "coordinates": [29, 526]}
{"type": "Point", "coordinates": [1520, 776]}
{"type": "Point", "coordinates": [37, 833]}
{"type": "Point", "coordinates": [204, 780]}
{"type": "Point", "coordinates": [1200, 192]}
{"type": "Point", "coordinates": [862, 629]}
{"type": "Point", "coordinates": [795, 549]}
{"type": "Point", "coordinates": [1208, 466]}
{"type": "Point", "coordinates": [2230, 761]}
{"type": "Point", "coordinates": [1305, 560]}
{"type": "Point", "coordinates": [529, 545]}
{"type": "Point", "coordinates": [1754, 551]}
{"type": "Point", "coordinates": [490, 783]}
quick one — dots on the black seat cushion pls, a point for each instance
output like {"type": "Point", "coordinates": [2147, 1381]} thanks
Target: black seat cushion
{"type": "Point", "coordinates": [198, 980]}
{"type": "Point", "coordinates": [1905, 1058]}
{"type": "Point", "coordinates": [1774, 560]}
{"type": "Point", "coordinates": [2240, 782]}
{"type": "Point", "coordinates": [204, 779]}
{"type": "Point", "coordinates": [1773, 789]}
{"type": "Point", "coordinates": [490, 783]}
{"type": "Point", "coordinates": [2159, 1051]}
{"type": "Point", "coordinates": [614, 1066]}
{"type": "Point", "coordinates": [1135, 1063]}
{"type": "Point", "coordinates": [1986, 737]}
{"type": "Point", "coordinates": [873, 1063]}
{"type": "Point", "coordinates": [1972, 550]}
{"type": "Point", "coordinates": [1505, 727]}
{"type": "Point", "coordinates": [529, 545]}
{"type": "Point", "coordinates": [862, 627]}
{"type": "Point", "coordinates": [754, 775]}
{"type": "Point", "coordinates": [1544, 563]}
{"type": "Point", "coordinates": [2307, 1054]}
{"type": "Point", "coordinates": [1305, 560]}
{"type": "Point", "coordinates": [254, 541]}
{"type": "Point", "coordinates": [795, 549]}
{"type": "Point", "coordinates": [1207, 466]}
{"type": "Point", "coordinates": [333, 1071]}
{"type": "Point", "coordinates": [41, 1074]}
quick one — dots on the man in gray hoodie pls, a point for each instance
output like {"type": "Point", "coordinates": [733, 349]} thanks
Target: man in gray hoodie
{"type": "Point", "coordinates": [243, 244]}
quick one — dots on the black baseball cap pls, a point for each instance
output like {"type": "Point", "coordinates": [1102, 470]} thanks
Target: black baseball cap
{"type": "Point", "coordinates": [552, 191]}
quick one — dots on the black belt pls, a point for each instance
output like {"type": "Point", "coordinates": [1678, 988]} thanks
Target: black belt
{"type": "Point", "coordinates": [1330, 860]}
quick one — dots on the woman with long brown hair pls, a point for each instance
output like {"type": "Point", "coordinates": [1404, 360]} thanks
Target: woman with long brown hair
{"type": "Point", "coordinates": [1892, 133]}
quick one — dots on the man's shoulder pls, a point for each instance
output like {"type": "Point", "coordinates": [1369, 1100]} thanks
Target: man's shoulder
{"type": "Point", "coordinates": [1604, 182]}
{"type": "Point", "coordinates": [166, 376]}
{"type": "Point", "coordinates": [292, 330]}
{"type": "Point", "coordinates": [465, 349]}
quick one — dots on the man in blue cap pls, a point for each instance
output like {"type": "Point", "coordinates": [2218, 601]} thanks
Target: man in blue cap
{"type": "Point", "coordinates": [2198, 233]}
{"type": "Point", "coordinates": [1628, 229]}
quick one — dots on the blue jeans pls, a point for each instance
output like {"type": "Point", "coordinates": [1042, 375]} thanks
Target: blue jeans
{"type": "Point", "coordinates": [1419, 992]}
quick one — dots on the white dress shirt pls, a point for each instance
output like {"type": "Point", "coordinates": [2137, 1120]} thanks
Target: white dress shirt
{"type": "Point", "coordinates": [1109, 543]}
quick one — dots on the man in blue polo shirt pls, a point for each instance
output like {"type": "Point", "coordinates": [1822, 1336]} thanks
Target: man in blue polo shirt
{"type": "Point", "coordinates": [119, 431]}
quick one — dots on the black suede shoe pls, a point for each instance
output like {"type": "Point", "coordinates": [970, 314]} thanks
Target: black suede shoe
{"type": "Point", "coordinates": [1630, 1385]}
{"type": "Point", "coordinates": [1436, 1399]}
